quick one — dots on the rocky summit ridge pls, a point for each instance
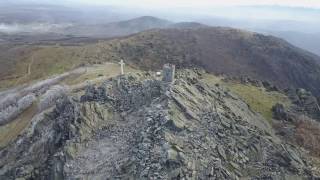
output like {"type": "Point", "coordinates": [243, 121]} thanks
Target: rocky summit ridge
{"type": "Point", "coordinates": [138, 127]}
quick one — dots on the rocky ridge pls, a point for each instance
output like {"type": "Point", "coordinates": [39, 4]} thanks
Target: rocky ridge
{"type": "Point", "coordinates": [137, 127]}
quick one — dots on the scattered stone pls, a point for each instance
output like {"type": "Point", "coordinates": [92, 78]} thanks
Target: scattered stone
{"type": "Point", "coordinates": [172, 155]}
{"type": "Point", "coordinates": [221, 152]}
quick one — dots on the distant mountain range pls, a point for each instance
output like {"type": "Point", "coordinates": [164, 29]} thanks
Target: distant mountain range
{"type": "Point", "coordinates": [308, 41]}
{"type": "Point", "coordinates": [92, 21]}
{"type": "Point", "coordinates": [120, 28]}
{"type": "Point", "coordinates": [127, 27]}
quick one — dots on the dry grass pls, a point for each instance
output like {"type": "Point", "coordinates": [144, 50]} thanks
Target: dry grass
{"type": "Point", "coordinates": [97, 73]}
{"type": "Point", "coordinates": [41, 64]}
{"type": "Point", "coordinates": [257, 98]}
{"type": "Point", "coordinates": [308, 135]}
{"type": "Point", "coordinates": [47, 61]}
{"type": "Point", "coordinates": [212, 79]}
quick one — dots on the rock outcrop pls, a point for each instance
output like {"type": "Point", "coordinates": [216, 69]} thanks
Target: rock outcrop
{"type": "Point", "coordinates": [13, 109]}
{"type": "Point", "coordinates": [305, 102]}
{"type": "Point", "coordinates": [141, 128]}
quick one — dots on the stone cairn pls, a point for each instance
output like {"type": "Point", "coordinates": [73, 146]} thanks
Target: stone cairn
{"type": "Point", "coordinates": [168, 73]}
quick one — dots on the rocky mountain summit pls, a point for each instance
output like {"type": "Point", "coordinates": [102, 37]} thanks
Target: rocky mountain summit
{"type": "Point", "coordinates": [136, 126]}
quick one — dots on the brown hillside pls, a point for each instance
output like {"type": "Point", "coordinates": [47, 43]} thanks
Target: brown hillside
{"type": "Point", "coordinates": [218, 50]}
{"type": "Point", "coordinates": [227, 51]}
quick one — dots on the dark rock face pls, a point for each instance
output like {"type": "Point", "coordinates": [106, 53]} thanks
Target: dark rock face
{"type": "Point", "coordinates": [93, 94]}
{"type": "Point", "coordinates": [66, 114]}
{"type": "Point", "coordinates": [305, 102]}
{"type": "Point", "coordinates": [130, 94]}
{"type": "Point", "coordinates": [146, 129]}
{"type": "Point", "coordinates": [269, 87]}
{"type": "Point", "coordinates": [40, 149]}
{"type": "Point", "coordinates": [309, 103]}
{"type": "Point", "coordinates": [279, 112]}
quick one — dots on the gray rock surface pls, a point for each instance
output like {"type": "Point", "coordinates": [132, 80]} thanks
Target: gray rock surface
{"type": "Point", "coordinates": [51, 96]}
{"type": "Point", "coordinates": [129, 128]}
{"type": "Point", "coordinates": [14, 109]}
{"type": "Point", "coordinates": [305, 102]}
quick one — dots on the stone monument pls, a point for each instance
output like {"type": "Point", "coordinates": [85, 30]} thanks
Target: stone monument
{"type": "Point", "coordinates": [168, 73]}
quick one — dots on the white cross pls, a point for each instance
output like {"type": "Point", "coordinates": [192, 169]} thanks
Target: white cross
{"type": "Point", "coordinates": [122, 66]}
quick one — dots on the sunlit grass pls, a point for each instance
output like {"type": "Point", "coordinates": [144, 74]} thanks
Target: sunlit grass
{"type": "Point", "coordinates": [257, 98]}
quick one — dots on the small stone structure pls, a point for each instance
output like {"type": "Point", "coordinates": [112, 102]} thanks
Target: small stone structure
{"type": "Point", "coordinates": [168, 73]}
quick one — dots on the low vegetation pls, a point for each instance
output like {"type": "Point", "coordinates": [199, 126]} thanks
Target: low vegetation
{"type": "Point", "coordinates": [98, 71]}
{"type": "Point", "coordinates": [308, 135]}
{"type": "Point", "coordinates": [258, 98]}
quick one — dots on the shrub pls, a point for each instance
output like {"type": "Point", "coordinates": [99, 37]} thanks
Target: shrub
{"type": "Point", "coordinates": [308, 134]}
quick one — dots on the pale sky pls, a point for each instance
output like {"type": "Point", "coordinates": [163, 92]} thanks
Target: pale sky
{"type": "Point", "coordinates": [222, 8]}
{"type": "Point", "coordinates": [293, 10]}
{"type": "Point", "coordinates": [204, 3]}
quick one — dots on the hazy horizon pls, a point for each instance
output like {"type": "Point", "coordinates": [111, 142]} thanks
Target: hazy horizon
{"type": "Point", "coordinates": [295, 10]}
{"type": "Point", "coordinates": [297, 21]}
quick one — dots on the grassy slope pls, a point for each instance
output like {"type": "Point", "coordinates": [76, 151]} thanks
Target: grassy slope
{"type": "Point", "coordinates": [257, 98]}
{"type": "Point", "coordinates": [48, 61]}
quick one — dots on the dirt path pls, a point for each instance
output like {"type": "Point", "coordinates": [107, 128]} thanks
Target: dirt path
{"type": "Point", "coordinates": [28, 71]}
{"type": "Point", "coordinates": [30, 65]}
